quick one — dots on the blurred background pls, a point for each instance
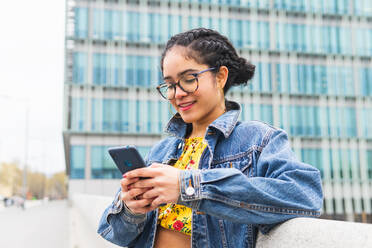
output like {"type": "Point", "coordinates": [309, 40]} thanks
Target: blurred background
{"type": "Point", "coordinates": [79, 76]}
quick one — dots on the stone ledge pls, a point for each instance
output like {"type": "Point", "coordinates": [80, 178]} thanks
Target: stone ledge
{"type": "Point", "coordinates": [298, 232]}
{"type": "Point", "coordinates": [317, 233]}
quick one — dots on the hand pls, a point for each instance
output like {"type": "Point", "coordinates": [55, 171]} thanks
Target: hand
{"type": "Point", "coordinates": [161, 185]}
{"type": "Point", "coordinates": [132, 197]}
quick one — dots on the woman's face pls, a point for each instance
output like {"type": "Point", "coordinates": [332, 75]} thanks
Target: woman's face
{"type": "Point", "coordinates": [207, 102]}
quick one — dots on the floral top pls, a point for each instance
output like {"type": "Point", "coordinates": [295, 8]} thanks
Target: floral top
{"type": "Point", "coordinates": [178, 217]}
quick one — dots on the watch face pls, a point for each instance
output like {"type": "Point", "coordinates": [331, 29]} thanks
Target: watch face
{"type": "Point", "coordinates": [190, 191]}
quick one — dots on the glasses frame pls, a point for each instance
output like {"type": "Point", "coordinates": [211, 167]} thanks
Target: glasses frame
{"type": "Point", "coordinates": [196, 75]}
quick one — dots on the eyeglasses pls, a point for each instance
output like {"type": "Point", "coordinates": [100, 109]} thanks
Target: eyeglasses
{"type": "Point", "coordinates": [188, 83]}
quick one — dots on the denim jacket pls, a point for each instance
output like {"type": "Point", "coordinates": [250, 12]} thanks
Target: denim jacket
{"type": "Point", "coordinates": [248, 180]}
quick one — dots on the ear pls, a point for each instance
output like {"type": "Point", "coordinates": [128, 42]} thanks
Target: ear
{"type": "Point", "coordinates": [221, 76]}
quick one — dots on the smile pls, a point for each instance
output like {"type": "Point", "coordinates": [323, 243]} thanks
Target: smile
{"type": "Point", "coordinates": [186, 106]}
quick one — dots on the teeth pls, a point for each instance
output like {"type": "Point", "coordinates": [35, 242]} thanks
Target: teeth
{"type": "Point", "coordinates": [186, 104]}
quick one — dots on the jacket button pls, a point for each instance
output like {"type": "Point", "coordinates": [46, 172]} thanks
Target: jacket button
{"type": "Point", "coordinates": [190, 191]}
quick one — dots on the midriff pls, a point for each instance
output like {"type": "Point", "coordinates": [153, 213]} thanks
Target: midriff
{"type": "Point", "coordinates": [166, 238]}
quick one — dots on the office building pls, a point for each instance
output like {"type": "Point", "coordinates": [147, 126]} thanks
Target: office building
{"type": "Point", "coordinates": [313, 79]}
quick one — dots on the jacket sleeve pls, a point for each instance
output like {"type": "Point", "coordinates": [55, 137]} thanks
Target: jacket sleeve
{"type": "Point", "coordinates": [283, 188]}
{"type": "Point", "coordinates": [118, 225]}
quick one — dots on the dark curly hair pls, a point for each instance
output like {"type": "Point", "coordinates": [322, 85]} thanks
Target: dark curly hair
{"type": "Point", "coordinates": [207, 46]}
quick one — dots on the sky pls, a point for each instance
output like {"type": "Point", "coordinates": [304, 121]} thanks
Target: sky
{"type": "Point", "coordinates": [31, 81]}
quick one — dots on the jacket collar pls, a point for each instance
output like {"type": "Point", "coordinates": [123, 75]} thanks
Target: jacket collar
{"type": "Point", "coordinates": [224, 123]}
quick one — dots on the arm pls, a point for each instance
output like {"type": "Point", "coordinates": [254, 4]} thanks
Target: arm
{"type": "Point", "coordinates": [119, 226]}
{"type": "Point", "coordinates": [283, 188]}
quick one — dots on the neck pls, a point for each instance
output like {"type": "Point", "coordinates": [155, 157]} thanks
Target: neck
{"type": "Point", "coordinates": [200, 127]}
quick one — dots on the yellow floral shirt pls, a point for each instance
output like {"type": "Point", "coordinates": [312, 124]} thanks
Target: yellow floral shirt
{"type": "Point", "coordinates": [178, 217]}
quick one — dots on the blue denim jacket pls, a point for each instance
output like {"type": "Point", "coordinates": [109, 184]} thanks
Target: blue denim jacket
{"type": "Point", "coordinates": [248, 180]}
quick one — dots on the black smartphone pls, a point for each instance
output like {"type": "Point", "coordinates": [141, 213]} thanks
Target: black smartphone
{"type": "Point", "coordinates": [126, 158]}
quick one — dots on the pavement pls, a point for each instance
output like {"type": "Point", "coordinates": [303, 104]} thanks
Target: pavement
{"type": "Point", "coordinates": [43, 225]}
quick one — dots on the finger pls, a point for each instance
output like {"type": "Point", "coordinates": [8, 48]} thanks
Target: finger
{"type": "Point", "coordinates": [137, 204]}
{"type": "Point", "coordinates": [142, 172]}
{"type": "Point", "coordinates": [140, 196]}
{"type": "Point", "coordinates": [133, 193]}
{"type": "Point", "coordinates": [125, 182]}
{"type": "Point", "coordinates": [150, 193]}
{"type": "Point", "coordinates": [157, 202]}
{"type": "Point", "coordinates": [144, 183]}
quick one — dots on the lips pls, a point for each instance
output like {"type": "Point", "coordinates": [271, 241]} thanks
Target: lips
{"type": "Point", "coordinates": [186, 105]}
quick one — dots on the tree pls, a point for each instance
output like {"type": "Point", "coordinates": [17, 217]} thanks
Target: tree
{"type": "Point", "coordinates": [10, 179]}
{"type": "Point", "coordinates": [38, 185]}
{"type": "Point", "coordinates": [57, 185]}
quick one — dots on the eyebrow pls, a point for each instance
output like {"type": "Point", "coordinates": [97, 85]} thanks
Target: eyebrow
{"type": "Point", "coordinates": [180, 73]}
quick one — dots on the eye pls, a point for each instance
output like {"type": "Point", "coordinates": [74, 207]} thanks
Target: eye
{"type": "Point", "coordinates": [190, 78]}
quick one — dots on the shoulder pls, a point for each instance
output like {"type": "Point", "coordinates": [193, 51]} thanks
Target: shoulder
{"type": "Point", "coordinates": [258, 131]}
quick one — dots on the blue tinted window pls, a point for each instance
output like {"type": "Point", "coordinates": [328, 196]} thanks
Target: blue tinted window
{"type": "Point", "coordinates": [314, 158]}
{"type": "Point", "coordinates": [78, 114]}
{"type": "Point", "coordinates": [102, 166]}
{"type": "Point", "coordinates": [266, 113]}
{"type": "Point", "coordinates": [318, 121]}
{"type": "Point", "coordinates": [262, 81]}
{"type": "Point", "coordinates": [362, 7]}
{"type": "Point", "coordinates": [366, 119]}
{"type": "Point", "coordinates": [124, 120]}
{"type": "Point", "coordinates": [97, 110]}
{"type": "Point", "coordinates": [369, 163]}
{"type": "Point", "coordinates": [110, 115]}
{"type": "Point", "coordinates": [99, 68]}
{"type": "Point", "coordinates": [77, 162]}
{"type": "Point", "coordinates": [235, 31]}
{"type": "Point", "coordinates": [98, 23]}
{"type": "Point", "coordinates": [365, 76]}
{"type": "Point", "coordinates": [79, 69]}
{"type": "Point", "coordinates": [143, 150]}
{"type": "Point", "coordinates": [81, 23]}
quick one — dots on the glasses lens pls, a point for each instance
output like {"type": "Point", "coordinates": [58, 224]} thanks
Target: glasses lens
{"type": "Point", "coordinates": [167, 91]}
{"type": "Point", "coordinates": [189, 83]}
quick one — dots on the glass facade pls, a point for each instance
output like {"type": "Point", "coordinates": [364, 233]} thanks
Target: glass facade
{"type": "Point", "coordinates": [313, 79]}
{"type": "Point", "coordinates": [102, 166]}
{"type": "Point", "coordinates": [78, 114]}
{"type": "Point", "coordinates": [315, 121]}
{"type": "Point", "coordinates": [77, 162]}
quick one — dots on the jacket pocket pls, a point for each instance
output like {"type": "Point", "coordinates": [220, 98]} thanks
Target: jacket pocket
{"type": "Point", "coordinates": [242, 162]}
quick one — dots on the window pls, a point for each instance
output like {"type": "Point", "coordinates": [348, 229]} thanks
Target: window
{"type": "Point", "coordinates": [313, 157]}
{"type": "Point", "coordinates": [78, 114]}
{"type": "Point", "coordinates": [365, 75]}
{"type": "Point", "coordinates": [77, 162]}
{"type": "Point", "coordinates": [79, 69]}
{"type": "Point", "coordinates": [102, 165]}
{"type": "Point", "coordinates": [369, 163]}
{"type": "Point", "coordinates": [81, 23]}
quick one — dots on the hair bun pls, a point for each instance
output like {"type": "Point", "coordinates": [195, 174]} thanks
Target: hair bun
{"type": "Point", "coordinates": [245, 72]}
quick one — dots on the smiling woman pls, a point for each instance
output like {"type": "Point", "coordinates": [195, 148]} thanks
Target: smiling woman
{"type": "Point", "coordinates": [215, 181]}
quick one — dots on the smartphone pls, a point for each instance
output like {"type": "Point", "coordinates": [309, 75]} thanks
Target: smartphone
{"type": "Point", "coordinates": [126, 158]}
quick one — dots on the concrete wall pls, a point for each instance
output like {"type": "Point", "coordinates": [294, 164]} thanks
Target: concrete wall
{"type": "Point", "coordinates": [104, 187]}
{"type": "Point", "coordinates": [299, 232]}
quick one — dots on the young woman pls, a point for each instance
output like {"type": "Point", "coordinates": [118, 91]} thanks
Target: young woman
{"type": "Point", "coordinates": [215, 181]}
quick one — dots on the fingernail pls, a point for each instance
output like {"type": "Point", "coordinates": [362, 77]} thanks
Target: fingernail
{"type": "Point", "coordinates": [129, 187]}
{"type": "Point", "coordinates": [124, 175]}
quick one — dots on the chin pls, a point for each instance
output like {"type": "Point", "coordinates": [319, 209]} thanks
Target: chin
{"type": "Point", "coordinates": [187, 118]}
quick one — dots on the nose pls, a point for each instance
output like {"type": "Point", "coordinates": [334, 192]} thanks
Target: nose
{"type": "Point", "coordinates": [179, 93]}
